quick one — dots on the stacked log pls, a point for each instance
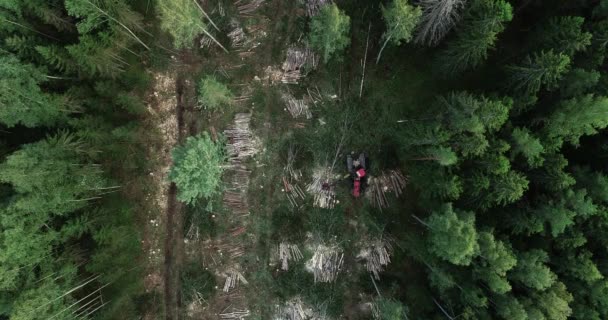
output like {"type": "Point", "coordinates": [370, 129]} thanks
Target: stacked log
{"type": "Point", "coordinates": [322, 189]}
{"type": "Point", "coordinates": [296, 309]}
{"type": "Point", "coordinates": [233, 278]}
{"type": "Point", "coordinates": [392, 181]}
{"type": "Point", "coordinates": [298, 58]}
{"type": "Point", "coordinates": [326, 263]}
{"type": "Point", "coordinates": [313, 7]}
{"type": "Point", "coordinates": [377, 255]}
{"type": "Point", "coordinates": [296, 107]}
{"type": "Point", "coordinates": [247, 8]}
{"type": "Point", "coordinates": [237, 37]}
{"type": "Point", "coordinates": [241, 142]}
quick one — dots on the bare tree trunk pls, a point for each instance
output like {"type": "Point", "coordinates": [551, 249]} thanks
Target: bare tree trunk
{"type": "Point", "coordinates": [206, 16]}
{"type": "Point", "coordinates": [421, 221]}
{"type": "Point", "coordinates": [385, 43]}
{"type": "Point", "coordinates": [438, 17]}
{"type": "Point", "coordinates": [212, 38]}
{"type": "Point", "coordinates": [365, 60]}
{"type": "Point", "coordinates": [120, 23]}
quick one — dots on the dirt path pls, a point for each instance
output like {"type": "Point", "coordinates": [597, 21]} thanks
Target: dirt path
{"type": "Point", "coordinates": [162, 237]}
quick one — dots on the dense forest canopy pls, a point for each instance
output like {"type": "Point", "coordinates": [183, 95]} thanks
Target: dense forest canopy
{"type": "Point", "coordinates": [496, 111]}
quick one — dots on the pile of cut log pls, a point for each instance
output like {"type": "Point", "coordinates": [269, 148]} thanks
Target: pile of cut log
{"type": "Point", "coordinates": [237, 37]}
{"type": "Point", "coordinates": [377, 255]}
{"type": "Point", "coordinates": [236, 314]}
{"type": "Point", "coordinates": [233, 278]}
{"type": "Point", "coordinates": [241, 142]}
{"type": "Point", "coordinates": [322, 189]}
{"type": "Point", "coordinates": [296, 309]}
{"type": "Point", "coordinates": [326, 263]}
{"type": "Point", "coordinates": [314, 6]}
{"type": "Point", "coordinates": [392, 181]}
{"type": "Point", "coordinates": [286, 252]}
{"type": "Point", "coordinates": [246, 8]}
{"type": "Point", "coordinates": [296, 107]}
{"type": "Point", "coordinates": [298, 58]}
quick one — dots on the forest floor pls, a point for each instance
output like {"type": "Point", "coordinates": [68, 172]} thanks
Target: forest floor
{"type": "Point", "coordinates": [200, 245]}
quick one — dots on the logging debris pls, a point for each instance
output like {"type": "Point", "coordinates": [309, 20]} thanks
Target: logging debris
{"type": "Point", "coordinates": [236, 314]}
{"type": "Point", "coordinates": [241, 142]}
{"type": "Point", "coordinates": [322, 188]}
{"type": "Point", "coordinates": [299, 58]}
{"type": "Point", "coordinates": [296, 107]}
{"type": "Point", "coordinates": [296, 309]}
{"type": "Point", "coordinates": [377, 255]}
{"type": "Point", "coordinates": [285, 253]}
{"type": "Point", "coordinates": [392, 181]}
{"type": "Point", "coordinates": [233, 278]}
{"type": "Point", "coordinates": [326, 263]}
{"type": "Point", "coordinates": [313, 7]}
{"type": "Point", "coordinates": [248, 7]}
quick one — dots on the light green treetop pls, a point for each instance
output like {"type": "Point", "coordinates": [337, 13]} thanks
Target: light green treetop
{"type": "Point", "coordinates": [329, 31]}
{"type": "Point", "coordinates": [401, 19]}
{"type": "Point", "coordinates": [453, 236]}
{"type": "Point", "coordinates": [22, 101]}
{"type": "Point", "coordinates": [213, 94]}
{"type": "Point", "coordinates": [197, 168]}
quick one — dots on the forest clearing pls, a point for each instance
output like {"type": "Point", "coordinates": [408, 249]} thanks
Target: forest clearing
{"type": "Point", "coordinates": [303, 160]}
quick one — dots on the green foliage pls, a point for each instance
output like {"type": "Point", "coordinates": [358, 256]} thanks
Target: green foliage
{"type": "Point", "coordinates": [531, 270]}
{"type": "Point", "coordinates": [476, 36]}
{"type": "Point", "coordinates": [452, 235]}
{"type": "Point", "coordinates": [195, 279]}
{"type": "Point", "coordinates": [564, 34]}
{"type": "Point", "coordinates": [197, 168]}
{"type": "Point", "coordinates": [539, 70]}
{"type": "Point", "coordinates": [496, 259]}
{"type": "Point", "coordinates": [401, 19]}
{"type": "Point", "coordinates": [464, 112]}
{"type": "Point", "coordinates": [329, 31]}
{"type": "Point", "coordinates": [183, 20]}
{"type": "Point", "coordinates": [22, 99]}
{"type": "Point", "coordinates": [52, 176]}
{"type": "Point", "coordinates": [443, 156]}
{"type": "Point", "coordinates": [526, 144]}
{"type": "Point", "coordinates": [391, 309]}
{"type": "Point", "coordinates": [579, 82]}
{"type": "Point", "coordinates": [213, 94]}
{"type": "Point", "coordinates": [577, 117]}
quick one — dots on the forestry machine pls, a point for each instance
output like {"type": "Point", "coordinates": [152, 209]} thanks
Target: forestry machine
{"type": "Point", "coordinates": [357, 169]}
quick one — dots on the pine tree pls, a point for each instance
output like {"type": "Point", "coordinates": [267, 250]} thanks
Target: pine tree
{"type": "Point", "coordinates": [464, 112]}
{"type": "Point", "coordinates": [183, 19]}
{"type": "Point", "coordinates": [580, 266]}
{"type": "Point", "coordinates": [52, 176]}
{"type": "Point", "coordinates": [452, 235]}
{"type": "Point", "coordinates": [576, 118]}
{"type": "Point", "coordinates": [554, 302]}
{"type": "Point", "coordinates": [443, 155]}
{"type": "Point", "coordinates": [526, 144]}
{"type": "Point", "coordinates": [22, 99]}
{"type": "Point", "coordinates": [579, 82]}
{"type": "Point", "coordinates": [503, 189]}
{"type": "Point", "coordinates": [564, 35]}
{"type": "Point", "coordinates": [482, 23]}
{"type": "Point", "coordinates": [329, 31]}
{"type": "Point", "coordinates": [531, 270]}
{"type": "Point", "coordinates": [197, 168]}
{"type": "Point", "coordinates": [401, 18]}
{"type": "Point", "coordinates": [509, 308]}
{"type": "Point", "coordinates": [495, 260]}
{"type": "Point", "coordinates": [99, 55]}
{"type": "Point", "coordinates": [213, 94]}
{"type": "Point", "coordinates": [539, 70]}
